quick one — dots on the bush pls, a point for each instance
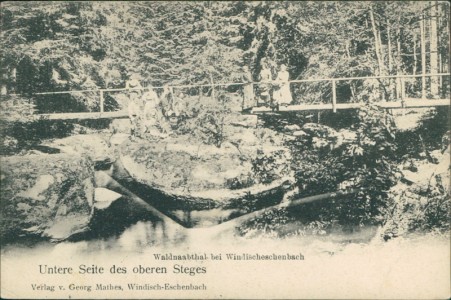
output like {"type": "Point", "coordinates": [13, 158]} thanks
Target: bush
{"type": "Point", "coordinates": [368, 165]}
{"type": "Point", "coordinates": [203, 118]}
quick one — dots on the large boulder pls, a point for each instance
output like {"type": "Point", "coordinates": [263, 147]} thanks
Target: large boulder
{"type": "Point", "coordinates": [46, 195]}
{"type": "Point", "coordinates": [120, 126]}
{"type": "Point", "coordinates": [195, 168]}
{"type": "Point", "coordinates": [424, 174]}
{"type": "Point", "coordinates": [420, 201]}
{"type": "Point", "coordinates": [240, 136]}
{"type": "Point", "coordinates": [410, 119]}
{"type": "Point", "coordinates": [202, 184]}
{"type": "Point", "coordinates": [249, 121]}
{"type": "Point", "coordinates": [95, 146]}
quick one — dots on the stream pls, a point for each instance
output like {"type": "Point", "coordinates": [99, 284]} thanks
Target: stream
{"type": "Point", "coordinates": [130, 232]}
{"type": "Point", "coordinates": [132, 224]}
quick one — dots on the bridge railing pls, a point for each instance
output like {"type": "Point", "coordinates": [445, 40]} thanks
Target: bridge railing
{"type": "Point", "coordinates": [304, 91]}
{"type": "Point", "coordinates": [357, 89]}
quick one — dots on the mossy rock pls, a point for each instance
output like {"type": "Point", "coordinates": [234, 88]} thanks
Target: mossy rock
{"type": "Point", "coordinates": [49, 196]}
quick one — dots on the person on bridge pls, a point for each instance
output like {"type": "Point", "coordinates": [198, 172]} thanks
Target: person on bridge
{"type": "Point", "coordinates": [172, 109]}
{"type": "Point", "coordinates": [282, 95]}
{"type": "Point", "coordinates": [265, 86]}
{"type": "Point", "coordinates": [133, 84]}
{"type": "Point", "coordinates": [135, 104]}
{"type": "Point", "coordinates": [248, 89]}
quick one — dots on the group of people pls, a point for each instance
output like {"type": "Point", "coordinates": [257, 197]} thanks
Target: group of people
{"type": "Point", "coordinates": [275, 92]}
{"type": "Point", "coordinates": [146, 112]}
{"type": "Point", "coordinates": [272, 92]}
{"type": "Point", "coordinates": [149, 115]}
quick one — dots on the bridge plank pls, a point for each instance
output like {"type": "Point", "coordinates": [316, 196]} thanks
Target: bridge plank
{"type": "Point", "coordinates": [82, 116]}
{"type": "Point", "coordinates": [408, 103]}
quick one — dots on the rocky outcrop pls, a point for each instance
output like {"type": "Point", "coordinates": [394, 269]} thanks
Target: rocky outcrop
{"type": "Point", "coordinates": [46, 195]}
{"type": "Point", "coordinates": [410, 119]}
{"type": "Point", "coordinates": [421, 175]}
{"type": "Point", "coordinates": [193, 179]}
{"type": "Point", "coordinates": [421, 200]}
{"type": "Point", "coordinates": [95, 146]}
{"type": "Point", "coordinates": [194, 169]}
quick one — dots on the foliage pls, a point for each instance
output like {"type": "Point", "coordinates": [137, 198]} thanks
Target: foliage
{"type": "Point", "coordinates": [16, 109]}
{"type": "Point", "coordinates": [203, 119]}
{"type": "Point", "coordinates": [269, 167]}
{"type": "Point", "coordinates": [427, 136]}
{"type": "Point", "coordinates": [74, 45]}
{"type": "Point", "coordinates": [54, 46]}
{"type": "Point", "coordinates": [20, 130]}
{"type": "Point", "coordinates": [367, 165]}
{"type": "Point", "coordinates": [209, 126]}
{"type": "Point", "coordinates": [269, 223]}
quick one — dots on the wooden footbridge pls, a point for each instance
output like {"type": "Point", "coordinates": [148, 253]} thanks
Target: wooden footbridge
{"type": "Point", "coordinates": [401, 88]}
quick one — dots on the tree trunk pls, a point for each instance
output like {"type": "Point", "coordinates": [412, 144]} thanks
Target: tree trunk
{"type": "Point", "coordinates": [440, 24]}
{"type": "Point", "coordinates": [433, 49]}
{"type": "Point", "coordinates": [415, 59]}
{"type": "Point", "coordinates": [376, 42]}
{"type": "Point", "coordinates": [381, 49]}
{"type": "Point", "coordinates": [352, 83]}
{"type": "Point", "coordinates": [390, 62]}
{"type": "Point", "coordinates": [445, 43]}
{"type": "Point", "coordinates": [398, 61]}
{"type": "Point", "coordinates": [378, 50]}
{"type": "Point", "coordinates": [423, 58]}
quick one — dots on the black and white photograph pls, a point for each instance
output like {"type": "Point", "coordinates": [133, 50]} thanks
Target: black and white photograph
{"type": "Point", "coordinates": [225, 150]}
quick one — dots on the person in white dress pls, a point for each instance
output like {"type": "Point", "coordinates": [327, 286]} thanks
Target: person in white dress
{"type": "Point", "coordinates": [248, 89]}
{"type": "Point", "coordinates": [283, 95]}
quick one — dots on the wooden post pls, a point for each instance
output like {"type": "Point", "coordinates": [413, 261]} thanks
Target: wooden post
{"type": "Point", "coordinates": [254, 99]}
{"type": "Point", "coordinates": [212, 87]}
{"type": "Point", "coordinates": [244, 97]}
{"type": "Point", "coordinates": [433, 57]}
{"type": "Point", "coordinates": [334, 96]}
{"type": "Point", "coordinates": [403, 89]}
{"type": "Point", "coordinates": [403, 94]}
{"type": "Point", "coordinates": [101, 101]}
{"type": "Point", "coordinates": [440, 78]}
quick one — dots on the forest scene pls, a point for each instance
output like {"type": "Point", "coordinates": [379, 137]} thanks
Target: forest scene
{"type": "Point", "coordinates": [119, 115]}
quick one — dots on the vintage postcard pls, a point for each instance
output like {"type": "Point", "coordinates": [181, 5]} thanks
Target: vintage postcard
{"type": "Point", "coordinates": [225, 150]}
